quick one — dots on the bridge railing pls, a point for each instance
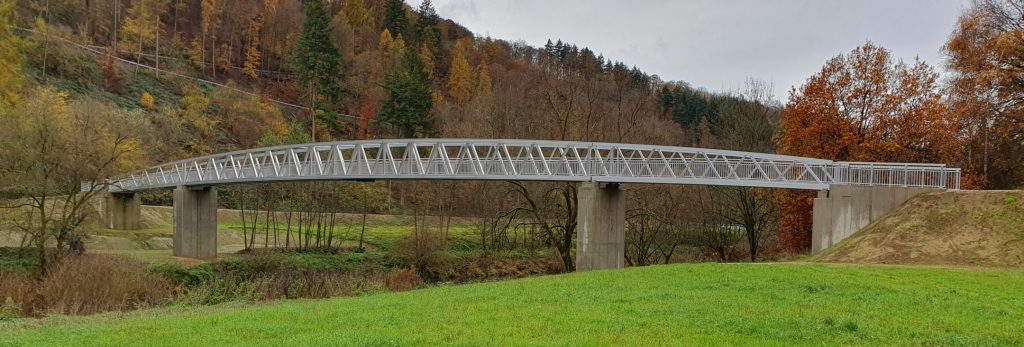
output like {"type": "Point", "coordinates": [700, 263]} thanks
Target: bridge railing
{"type": "Point", "coordinates": [897, 174]}
{"type": "Point", "coordinates": [529, 160]}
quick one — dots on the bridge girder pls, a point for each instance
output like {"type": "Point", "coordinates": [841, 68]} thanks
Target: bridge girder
{"type": "Point", "coordinates": [528, 160]}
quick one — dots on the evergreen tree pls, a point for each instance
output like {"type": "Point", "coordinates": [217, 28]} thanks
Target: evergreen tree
{"type": "Point", "coordinates": [394, 18]}
{"type": "Point", "coordinates": [319, 63]}
{"type": "Point", "coordinates": [409, 102]}
{"type": "Point", "coordinates": [460, 78]}
{"type": "Point", "coordinates": [427, 31]}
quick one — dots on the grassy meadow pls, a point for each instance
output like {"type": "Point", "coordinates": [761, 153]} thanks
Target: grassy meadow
{"type": "Point", "coordinates": [686, 304]}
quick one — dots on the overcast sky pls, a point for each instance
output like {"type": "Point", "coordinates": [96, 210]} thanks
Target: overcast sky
{"type": "Point", "coordinates": [718, 44]}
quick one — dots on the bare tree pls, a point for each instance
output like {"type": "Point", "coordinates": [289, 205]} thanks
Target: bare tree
{"type": "Point", "coordinates": [554, 212]}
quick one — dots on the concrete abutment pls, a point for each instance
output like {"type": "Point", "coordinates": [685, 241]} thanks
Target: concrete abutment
{"type": "Point", "coordinates": [843, 210]}
{"type": "Point", "coordinates": [122, 211]}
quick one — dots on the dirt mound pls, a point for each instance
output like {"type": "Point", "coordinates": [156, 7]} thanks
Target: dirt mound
{"type": "Point", "coordinates": [983, 228]}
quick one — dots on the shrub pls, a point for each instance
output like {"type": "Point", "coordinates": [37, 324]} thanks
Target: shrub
{"type": "Point", "coordinates": [188, 276]}
{"type": "Point", "coordinates": [112, 80]}
{"type": "Point", "coordinates": [93, 283]}
{"type": "Point", "coordinates": [147, 101]}
{"type": "Point", "coordinates": [17, 293]}
{"type": "Point", "coordinates": [401, 280]}
{"type": "Point", "coordinates": [9, 310]}
{"type": "Point", "coordinates": [279, 285]}
{"type": "Point", "coordinates": [422, 250]}
{"type": "Point", "coordinates": [18, 259]}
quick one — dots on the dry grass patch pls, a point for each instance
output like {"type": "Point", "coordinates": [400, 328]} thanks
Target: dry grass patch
{"type": "Point", "coordinates": [984, 228]}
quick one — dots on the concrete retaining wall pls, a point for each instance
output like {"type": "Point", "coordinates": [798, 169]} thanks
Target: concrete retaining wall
{"type": "Point", "coordinates": [843, 210]}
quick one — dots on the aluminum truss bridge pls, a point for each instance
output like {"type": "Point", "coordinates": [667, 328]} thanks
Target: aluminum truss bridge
{"type": "Point", "coordinates": [528, 160]}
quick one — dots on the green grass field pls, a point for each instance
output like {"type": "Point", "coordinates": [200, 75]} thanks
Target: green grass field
{"type": "Point", "coordinates": [718, 304]}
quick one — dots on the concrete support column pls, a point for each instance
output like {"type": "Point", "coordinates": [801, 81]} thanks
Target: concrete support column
{"type": "Point", "coordinates": [123, 211]}
{"type": "Point", "coordinates": [600, 226]}
{"type": "Point", "coordinates": [195, 222]}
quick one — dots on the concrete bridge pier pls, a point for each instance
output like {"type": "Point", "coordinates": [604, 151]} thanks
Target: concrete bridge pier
{"type": "Point", "coordinates": [195, 222]}
{"type": "Point", "coordinates": [123, 211]}
{"type": "Point", "coordinates": [600, 226]}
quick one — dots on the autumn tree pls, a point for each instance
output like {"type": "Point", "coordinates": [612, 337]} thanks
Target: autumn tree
{"type": "Point", "coordinates": [460, 78]}
{"type": "Point", "coordinates": [55, 157]}
{"type": "Point", "coordinates": [864, 106]}
{"type": "Point", "coordinates": [210, 11]}
{"type": "Point", "coordinates": [483, 86]}
{"type": "Point", "coordinates": [366, 113]}
{"type": "Point", "coordinates": [359, 18]}
{"type": "Point", "coordinates": [408, 105]}
{"type": "Point", "coordinates": [251, 62]}
{"type": "Point", "coordinates": [986, 57]}
{"type": "Point", "coordinates": [142, 25]}
{"type": "Point", "coordinates": [428, 60]}
{"type": "Point", "coordinates": [319, 65]}
{"type": "Point", "coordinates": [247, 120]}
{"type": "Point", "coordinates": [357, 14]}
{"type": "Point", "coordinates": [12, 57]}
{"type": "Point", "coordinates": [384, 44]}
{"type": "Point", "coordinates": [194, 117]}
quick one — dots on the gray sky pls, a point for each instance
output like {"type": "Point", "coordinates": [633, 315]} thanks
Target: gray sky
{"type": "Point", "coordinates": [718, 44]}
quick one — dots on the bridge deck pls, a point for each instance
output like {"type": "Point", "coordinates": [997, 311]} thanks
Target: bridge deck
{"type": "Point", "coordinates": [529, 160]}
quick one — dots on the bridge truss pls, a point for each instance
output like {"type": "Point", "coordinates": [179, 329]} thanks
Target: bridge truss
{"type": "Point", "coordinates": [528, 160]}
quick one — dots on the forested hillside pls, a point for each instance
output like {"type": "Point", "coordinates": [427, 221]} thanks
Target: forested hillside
{"type": "Point", "coordinates": [214, 75]}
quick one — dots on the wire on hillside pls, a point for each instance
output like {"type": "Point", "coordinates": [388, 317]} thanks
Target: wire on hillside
{"type": "Point", "coordinates": [129, 62]}
{"type": "Point", "coordinates": [203, 64]}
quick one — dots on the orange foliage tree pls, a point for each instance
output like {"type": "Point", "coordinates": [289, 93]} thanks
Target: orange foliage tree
{"type": "Point", "coordinates": [986, 60]}
{"type": "Point", "coordinates": [366, 113]}
{"type": "Point", "coordinates": [863, 106]}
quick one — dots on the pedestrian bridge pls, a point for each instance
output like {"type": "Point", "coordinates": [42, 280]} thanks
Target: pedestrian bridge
{"type": "Point", "coordinates": [529, 160]}
{"type": "Point", "coordinates": [851, 194]}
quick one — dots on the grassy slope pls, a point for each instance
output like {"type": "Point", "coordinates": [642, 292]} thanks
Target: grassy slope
{"type": "Point", "coordinates": [950, 228]}
{"type": "Point", "coordinates": [777, 304]}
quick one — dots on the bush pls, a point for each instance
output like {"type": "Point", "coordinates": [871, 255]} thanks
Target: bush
{"type": "Point", "coordinates": [17, 293]}
{"type": "Point", "coordinates": [188, 276]}
{"type": "Point", "coordinates": [18, 259]}
{"type": "Point", "coordinates": [90, 284]}
{"type": "Point", "coordinates": [147, 101]}
{"type": "Point", "coordinates": [280, 285]}
{"type": "Point", "coordinates": [422, 250]}
{"type": "Point", "coordinates": [401, 280]}
{"type": "Point", "coordinates": [9, 310]}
